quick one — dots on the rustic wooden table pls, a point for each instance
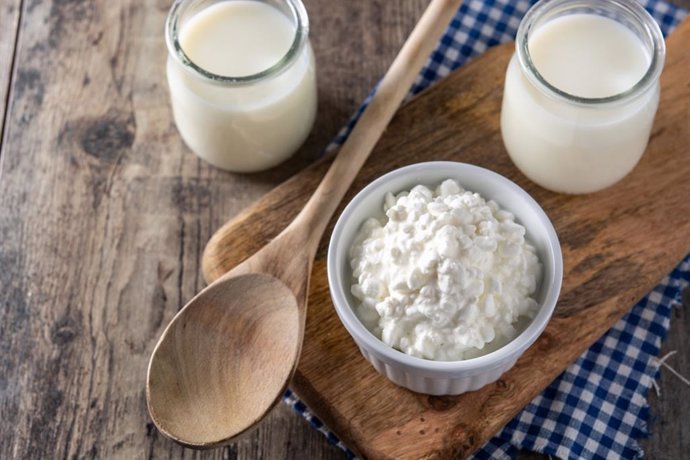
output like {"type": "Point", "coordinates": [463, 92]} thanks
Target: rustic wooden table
{"type": "Point", "coordinates": [104, 214]}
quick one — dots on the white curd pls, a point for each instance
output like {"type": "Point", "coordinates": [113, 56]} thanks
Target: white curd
{"type": "Point", "coordinates": [262, 106]}
{"type": "Point", "coordinates": [446, 275]}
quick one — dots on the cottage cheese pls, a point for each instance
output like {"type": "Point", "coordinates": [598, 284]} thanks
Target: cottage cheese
{"type": "Point", "coordinates": [447, 276]}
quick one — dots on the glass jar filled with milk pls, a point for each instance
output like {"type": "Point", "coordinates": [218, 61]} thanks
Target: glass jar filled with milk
{"type": "Point", "coordinates": [242, 79]}
{"type": "Point", "coordinates": [581, 92]}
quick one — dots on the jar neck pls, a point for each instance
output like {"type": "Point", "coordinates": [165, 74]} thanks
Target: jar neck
{"type": "Point", "coordinates": [628, 13]}
{"type": "Point", "coordinates": [183, 10]}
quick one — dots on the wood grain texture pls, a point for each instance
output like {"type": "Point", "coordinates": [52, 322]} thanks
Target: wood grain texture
{"type": "Point", "coordinates": [93, 209]}
{"type": "Point", "coordinates": [615, 249]}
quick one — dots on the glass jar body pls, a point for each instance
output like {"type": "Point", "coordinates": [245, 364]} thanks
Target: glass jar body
{"type": "Point", "coordinates": [250, 123]}
{"type": "Point", "coordinates": [568, 148]}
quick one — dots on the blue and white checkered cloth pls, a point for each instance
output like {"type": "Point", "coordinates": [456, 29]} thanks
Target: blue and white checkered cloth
{"type": "Point", "coordinates": [597, 407]}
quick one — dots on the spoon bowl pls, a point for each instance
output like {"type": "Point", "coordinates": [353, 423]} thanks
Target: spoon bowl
{"type": "Point", "coordinates": [210, 377]}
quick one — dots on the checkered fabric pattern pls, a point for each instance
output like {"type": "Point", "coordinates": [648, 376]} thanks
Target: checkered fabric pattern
{"type": "Point", "coordinates": [597, 407]}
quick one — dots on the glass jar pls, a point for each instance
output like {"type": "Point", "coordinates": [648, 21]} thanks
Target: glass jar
{"type": "Point", "coordinates": [259, 117]}
{"type": "Point", "coordinates": [569, 143]}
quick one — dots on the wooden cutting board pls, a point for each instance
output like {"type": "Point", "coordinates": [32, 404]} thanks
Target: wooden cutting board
{"type": "Point", "coordinates": [617, 245]}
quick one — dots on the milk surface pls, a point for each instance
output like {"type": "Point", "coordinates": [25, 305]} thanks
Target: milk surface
{"type": "Point", "coordinates": [237, 38]}
{"type": "Point", "coordinates": [574, 148]}
{"type": "Point", "coordinates": [588, 55]}
{"type": "Point", "coordinates": [251, 127]}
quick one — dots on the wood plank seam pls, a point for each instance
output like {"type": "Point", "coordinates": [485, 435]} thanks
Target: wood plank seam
{"type": "Point", "coordinates": [11, 79]}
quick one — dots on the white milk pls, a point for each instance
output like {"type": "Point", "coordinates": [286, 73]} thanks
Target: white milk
{"type": "Point", "coordinates": [255, 125]}
{"type": "Point", "coordinates": [570, 147]}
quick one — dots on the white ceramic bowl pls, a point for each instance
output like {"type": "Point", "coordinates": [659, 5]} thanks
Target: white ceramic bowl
{"type": "Point", "coordinates": [443, 377]}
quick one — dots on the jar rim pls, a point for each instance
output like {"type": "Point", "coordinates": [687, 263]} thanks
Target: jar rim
{"type": "Point", "coordinates": [632, 9]}
{"type": "Point", "coordinates": [175, 48]}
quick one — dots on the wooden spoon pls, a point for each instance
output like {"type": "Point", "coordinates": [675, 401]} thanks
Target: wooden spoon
{"type": "Point", "coordinates": [228, 355]}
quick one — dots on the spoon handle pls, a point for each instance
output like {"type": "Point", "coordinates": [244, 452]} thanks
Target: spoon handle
{"type": "Point", "coordinates": [389, 95]}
